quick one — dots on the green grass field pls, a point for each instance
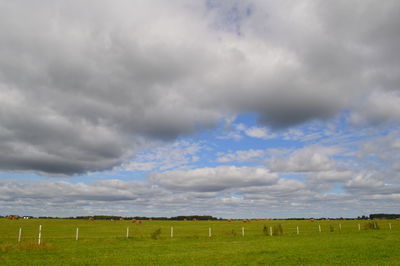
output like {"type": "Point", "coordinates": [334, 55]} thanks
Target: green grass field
{"type": "Point", "coordinates": [105, 243]}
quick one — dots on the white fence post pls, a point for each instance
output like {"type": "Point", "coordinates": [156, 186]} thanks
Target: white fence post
{"type": "Point", "coordinates": [172, 232]}
{"type": "Point", "coordinates": [40, 235]}
{"type": "Point", "coordinates": [127, 232]}
{"type": "Point", "coordinates": [340, 227]}
{"type": "Point", "coordinates": [319, 228]}
{"type": "Point", "coordinates": [390, 226]}
{"type": "Point", "coordinates": [209, 232]}
{"type": "Point", "coordinates": [297, 229]}
{"type": "Point", "coordinates": [19, 234]}
{"type": "Point", "coordinates": [359, 227]}
{"type": "Point", "coordinates": [270, 230]}
{"type": "Point", "coordinates": [242, 231]}
{"type": "Point", "coordinates": [77, 234]}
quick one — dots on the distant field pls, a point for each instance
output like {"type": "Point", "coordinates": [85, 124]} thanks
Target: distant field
{"type": "Point", "coordinates": [106, 243]}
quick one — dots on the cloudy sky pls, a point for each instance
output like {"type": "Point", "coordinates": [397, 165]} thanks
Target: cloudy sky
{"type": "Point", "coordinates": [234, 108]}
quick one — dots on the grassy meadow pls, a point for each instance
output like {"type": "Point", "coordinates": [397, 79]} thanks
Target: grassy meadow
{"type": "Point", "coordinates": [150, 243]}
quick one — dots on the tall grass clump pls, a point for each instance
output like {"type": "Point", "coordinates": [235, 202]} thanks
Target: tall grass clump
{"type": "Point", "coordinates": [277, 230]}
{"type": "Point", "coordinates": [156, 234]}
{"type": "Point", "coordinates": [373, 225]}
{"type": "Point", "coordinates": [265, 230]}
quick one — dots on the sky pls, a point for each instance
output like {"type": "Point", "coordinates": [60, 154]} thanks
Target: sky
{"type": "Point", "coordinates": [236, 109]}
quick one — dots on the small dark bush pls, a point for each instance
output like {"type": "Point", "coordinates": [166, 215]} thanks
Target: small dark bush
{"type": "Point", "coordinates": [373, 225]}
{"type": "Point", "coordinates": [331, 228]}
{"type": "Point", "coordinates": [156, 234]}
{"type": "Point", "coordinates": [277, 230]}
{"type": "Point", "coordinates": [265, 230]}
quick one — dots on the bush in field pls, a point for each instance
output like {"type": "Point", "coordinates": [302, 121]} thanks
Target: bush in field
{"type": "Point", "coordinates": [156, 234]}
{"type": "Point", "coordinates": [331, 228]}
{"type": "Point", "coordinates": [265, 230]}
{"type": "Point", "coordinates": [373, 225]}
{"type": "Point", "coordinates": [277, 230]}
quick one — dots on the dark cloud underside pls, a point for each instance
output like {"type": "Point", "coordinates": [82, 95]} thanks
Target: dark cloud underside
{"type": "Point", "coordinates": [83, 84]}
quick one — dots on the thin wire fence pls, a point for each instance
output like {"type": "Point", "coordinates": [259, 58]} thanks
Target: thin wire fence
{"type": "Point", "coordinates": [175, 230]}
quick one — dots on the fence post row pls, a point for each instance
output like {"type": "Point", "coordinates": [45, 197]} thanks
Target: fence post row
{"type": "Point", "coordinates": [271, 231]}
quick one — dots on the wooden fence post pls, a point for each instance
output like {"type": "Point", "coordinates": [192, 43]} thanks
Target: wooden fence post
{"type": "Point", "coordinates": [19, 234]}
{"type": "Point", "coordinates": [40, 235]}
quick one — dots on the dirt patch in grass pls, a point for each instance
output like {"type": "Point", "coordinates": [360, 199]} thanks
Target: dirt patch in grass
{"type": "Point", "coordinates": [24, 246]}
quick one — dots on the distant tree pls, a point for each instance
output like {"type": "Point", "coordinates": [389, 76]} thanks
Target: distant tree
{"type": "Point", "coordinates": [384, 216]}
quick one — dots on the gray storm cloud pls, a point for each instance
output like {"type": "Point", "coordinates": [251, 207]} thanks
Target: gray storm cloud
{"type": "Point", "coordinates": [84, 84]}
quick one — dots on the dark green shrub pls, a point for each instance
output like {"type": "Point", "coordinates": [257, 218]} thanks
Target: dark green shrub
{"type": "Point", "coordinates": [331, 228]}
{"type": "Point", "coordinates": [373, 225]}
{"type": "Point", "coordinates": [156, 234]}
{"type": "Point", "coordinates": [265, 230]}
{"type": "Point", "coordinates": [277, 230]}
